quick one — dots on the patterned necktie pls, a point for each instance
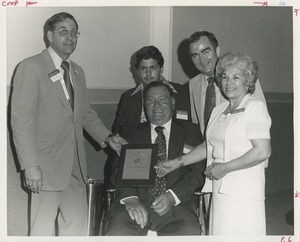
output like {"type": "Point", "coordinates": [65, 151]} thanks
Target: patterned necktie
{"type": "Point", "coordinates": [65, 67]}
{"type": "Point", "coordinates": [160, 182]}
{"type": "Point", "coordinates": [210, 99]}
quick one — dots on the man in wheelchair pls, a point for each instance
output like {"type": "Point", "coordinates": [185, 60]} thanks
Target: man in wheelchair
{"type": "Point", "coordinates": [169, 208]}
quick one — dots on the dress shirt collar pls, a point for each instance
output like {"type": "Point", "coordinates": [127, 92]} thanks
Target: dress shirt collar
{"type": "Point", "coordinates": [166, 130]}
{"type": "Point", "coordinates": [206, 80]}
{"type": "Point", "coordinates": [167, 126]}
{"type": "Point", "coordinates": [56, 59]}
{"type": "Point", "coordinates": [138, 89]}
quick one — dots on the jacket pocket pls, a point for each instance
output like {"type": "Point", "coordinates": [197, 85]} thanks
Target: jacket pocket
{"type": "Point", "coordinates": [44, 146]}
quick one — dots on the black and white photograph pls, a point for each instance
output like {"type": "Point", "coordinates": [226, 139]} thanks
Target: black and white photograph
{"type": "Point", "coordinates": [212, 85]}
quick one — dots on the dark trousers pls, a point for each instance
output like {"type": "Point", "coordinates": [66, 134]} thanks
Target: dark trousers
{"type": "Point", "coordinates": [181, 220]}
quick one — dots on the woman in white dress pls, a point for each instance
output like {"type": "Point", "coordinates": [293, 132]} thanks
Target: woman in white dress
{"type": "Point", "coordinates": [237, 148]}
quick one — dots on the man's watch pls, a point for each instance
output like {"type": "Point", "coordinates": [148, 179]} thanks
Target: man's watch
{"type": "Point", "coordinates": [107, 139]}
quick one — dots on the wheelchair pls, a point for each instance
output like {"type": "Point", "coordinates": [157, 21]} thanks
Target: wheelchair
{"type": "Point", "coordinates": [203, 215]}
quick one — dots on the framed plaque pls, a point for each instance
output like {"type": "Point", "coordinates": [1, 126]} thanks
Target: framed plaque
{"type": "Point", "coordinates": [136, 165]}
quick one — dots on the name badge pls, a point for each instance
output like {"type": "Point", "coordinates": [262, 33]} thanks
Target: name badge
{"type": "Point", "coordinates": [182, 115]}
{"type": "Point", "coordinates": [65, 89]}
{"type": "Point", "coordinates": [238, 110]}
{"type": "Point", "coordinates": [55, 75]}
{"type": "Point", "coordinates": [187, 148]}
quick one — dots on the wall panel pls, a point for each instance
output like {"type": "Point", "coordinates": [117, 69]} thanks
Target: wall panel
{"type": "Point", "coordinates": [109, 37]}
{"type": "Point", "coordinates": [266, 34]}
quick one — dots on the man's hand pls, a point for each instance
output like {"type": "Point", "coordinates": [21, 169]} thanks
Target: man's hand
{"type": "Point", "coordinates": [137, 211]}
{"type": "Point", "coordinates": [116, 142]}
{"type": "Point", "coordinates": [34, 178]}
{"type": "Point", "coordinates": [163, 203]}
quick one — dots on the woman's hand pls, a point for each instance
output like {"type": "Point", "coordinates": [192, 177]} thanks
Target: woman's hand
{"type": "Point", "coordinates": [259, 153]}
{"type": "Point", "coordinates": [215, 171]}
{"type": "Point", "coordinates": [165, 167]}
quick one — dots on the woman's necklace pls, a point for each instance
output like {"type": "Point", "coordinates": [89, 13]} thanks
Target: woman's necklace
{"type": "Point", "coordinates": [233, 109]}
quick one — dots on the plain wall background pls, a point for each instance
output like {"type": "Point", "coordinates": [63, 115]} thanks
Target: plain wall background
{"type": "Point", "coordinates": [266, 34]}
{"type": "Point", "coordinates": [110, 36]}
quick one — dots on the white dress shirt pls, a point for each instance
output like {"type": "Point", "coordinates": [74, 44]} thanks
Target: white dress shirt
{"type": "Point", "coordinates": [57, 63]}
{"type": "Point", "coordinates": [167, 132]}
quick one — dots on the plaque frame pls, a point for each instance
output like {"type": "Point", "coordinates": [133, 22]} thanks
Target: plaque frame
{"type": "Point", "coordinates": [139, 170]}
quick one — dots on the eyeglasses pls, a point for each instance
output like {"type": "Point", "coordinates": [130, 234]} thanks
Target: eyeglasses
{"type": "Point", "coordinates": [66, 33]}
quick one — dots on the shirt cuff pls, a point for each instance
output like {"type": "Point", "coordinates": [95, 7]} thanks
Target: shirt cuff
{"type": "Point", "coordinates": [105, 143]}
{"type": "Point", "coordinates": [177, 201]}
{"type": "Point", "coordinates": [122, 201]}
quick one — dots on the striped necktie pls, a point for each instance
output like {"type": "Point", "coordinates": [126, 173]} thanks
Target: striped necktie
{"type": "Point", "coordinates": [160, 182]}
{"type": "Point", "coordinates": [210, 99]}
{"type": "Point", "coordinates": [67, 80]}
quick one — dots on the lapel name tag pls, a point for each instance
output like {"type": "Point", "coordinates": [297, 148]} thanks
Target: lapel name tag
{"type": "Point", "coordinates": [182, 115]}
{"type": "Point", "coordinates": [63, 84]}
{"type": "Point", "coordinates": [238, 110]}
{"type": "Point", "coordinates": [187, 148]}
{"type": "Point", "coordinates": [55, 75]}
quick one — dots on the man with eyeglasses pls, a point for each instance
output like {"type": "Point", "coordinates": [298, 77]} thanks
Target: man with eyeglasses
{"type": "Point", "coordinates": [48, 113]}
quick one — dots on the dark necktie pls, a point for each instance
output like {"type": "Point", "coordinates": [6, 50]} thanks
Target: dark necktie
{"type": "Point", "coordinates": [210, 99]}
{"type": "Point", "coordinates": [160, 182]}
{"type": "Point", "coordinates": [65, 67]}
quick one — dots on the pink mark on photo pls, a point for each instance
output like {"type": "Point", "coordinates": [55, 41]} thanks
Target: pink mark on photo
{"type": "Point", "coordinates": [263, 3]}
{"type": "Point", "coordinates": [28, 3]}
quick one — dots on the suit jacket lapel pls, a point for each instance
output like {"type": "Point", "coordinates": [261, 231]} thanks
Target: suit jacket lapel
{"type": "Point", "coordinates": [143, 136]}
{"type": "Point", "coordinates": [175, 142]}
{"type": "Point", "coordinates": [74, 76]}
{"type": "Point", "coordinates": [137, 104]}
{"type": "Point", "coordinates": [49, 67]}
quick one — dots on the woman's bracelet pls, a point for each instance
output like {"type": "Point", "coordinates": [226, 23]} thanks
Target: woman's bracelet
{"type": "Point", "coordinates": [180, 161]}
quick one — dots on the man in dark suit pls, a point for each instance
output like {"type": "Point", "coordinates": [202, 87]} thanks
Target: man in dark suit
{"type": "Point", "coordinates": [172, 212]}
{"type": "Point", "coordinates": [49, 111]}
{"type": "Point", "coordinates": [149, 64]}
